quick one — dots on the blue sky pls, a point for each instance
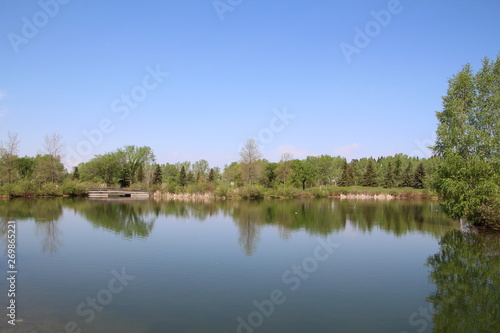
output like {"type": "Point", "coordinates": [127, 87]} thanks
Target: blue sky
{"type": "Point", "coordinates": [202, 76]}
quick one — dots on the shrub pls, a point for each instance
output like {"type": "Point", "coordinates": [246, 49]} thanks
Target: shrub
{"type": "Point", "coordinates": [51, 189]}
{"type": "Point", "coordinates": [252, 192]}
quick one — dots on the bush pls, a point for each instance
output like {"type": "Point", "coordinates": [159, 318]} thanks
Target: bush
{"type": "Point", "coordinates": [28, 188]}
{"type": "Point", "coordinates": [12, 190]}
{"type": "Point", "coordinates": [73, 188]}
{"type": "Point", "coordinates": [253, 192]}
{"type": "Point", "coordinates": [223, 191]}
{"type": "Point", "coordinates": [51, 189]}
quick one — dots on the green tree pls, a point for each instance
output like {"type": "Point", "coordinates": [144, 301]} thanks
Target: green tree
{"type": "Point", "coordinates": [105, 168]}
{"type": "Point", "coordinates": [76, 173]}
{"type": "Point", "coordinates": [370, 176]}
{"type": "Point", "coordinates": [48, 169]}
{"type": "Point", "coordinates": [157, 176]}
{"type": "Point", "coordinates": [303, 173]}
{"type": "Point", "coordinates": [408, 176]}
{"type": "Point", "coordinates": [468, 144]}
{"type": "Point", "coordinates": [284, 169]}
{"type": "Point", "coordinates": [211, 175]}
{"type": "Point", "coordinates": [25, 167]}
{"type": "Point", "coordinates": [201, 168]}
{"type": "Point", "coordinates": [347, 177]}
{"type": "Point", "coordinates": [182, 176]}
{"type": "Point", "coordinates": [124, 179]}
{"type": "Point", "coordinates": [140, 173]}
{"type": "Point", "coordinates": [389, 181]}
{"type": "Point", "coordinates": [133, 157]}
{"type": "Point", "coordinates": [419, 176]}
{"type": "Point", "coordinates": [269, 176]}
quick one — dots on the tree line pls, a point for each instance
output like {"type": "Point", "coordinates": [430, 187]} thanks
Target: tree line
{"type": "Point", "coordinates": [133, 166]}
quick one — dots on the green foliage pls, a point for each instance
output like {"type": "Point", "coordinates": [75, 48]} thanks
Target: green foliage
{"type": "Point", "coordinates": [76, 173]}
{"type": "Point", "coordinates": [253, 192]}
{"type": "Point", "coordinates": [370, 176]}
{"type": "Point", "coordinates": [48, 169]}
{"type": "Point", "coordinates": [408, 176]}
{"type": "Point", "coordinates": [25, 167]}
{"type": "Point", "coordinates": [347, 177]}
{"type": "Point", "coordinates": [465, 272]}
{"type": "Point", "coordinates": [51, 189]}
{"type": "Point", "coordinates": [419, 176]}
{"type": "Point", "coordinates": [303, 173]}
{"type": "Point", "coordinates": [389, 177]}
{"type": "Point", "coordinates": [157, 176]}
{"type": "Point", "coordinates": [468, 144]}
{"type": "Point", "coordinates": [74, 188]}
{"type": "Point", "coordinates": [182, 177]}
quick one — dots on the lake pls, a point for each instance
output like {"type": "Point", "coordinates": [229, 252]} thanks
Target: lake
{"type": "Point", "coordinates": [247, 266]}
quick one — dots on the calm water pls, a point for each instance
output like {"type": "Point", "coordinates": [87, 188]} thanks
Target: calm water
{"type": "Point", "coordinates": [241, 266]}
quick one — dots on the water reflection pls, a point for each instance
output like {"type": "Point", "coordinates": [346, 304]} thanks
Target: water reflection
{"type": "Point", "coordinates": [45, 212]}
{"type": "Point", "coordinates": [466, 272]}
{"type": "Point", "coordinates": [129, 218]}
{"type": "Point", "coordinates": [136, 218]}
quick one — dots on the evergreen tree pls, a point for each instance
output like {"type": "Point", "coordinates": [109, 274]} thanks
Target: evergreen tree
{"type": "Point", "coordinates": [124, 178]}
{"type": "Point", "coordinates": [76, 174]}
{"type": "Point", "coordinates": [419, 176]}
{"type": "Point", "coordinates": [190, 177]}
{"type": "Point", "coordinates": [370, 176]}
{"type": "Point", "coordinates": [157, 176]}
{"type": "Point", "coordinates": [397, 171]}
{"type": "Point", "coordinates": [347, 177]}
{"type": "Point", "coordinates": [408, 176]}
{"type": "Point", "coordinates": [183, 177]}
{"type": "Point", "coordinates": [389, 176]}
{"type": "Point", "coordinates": [211, 175]}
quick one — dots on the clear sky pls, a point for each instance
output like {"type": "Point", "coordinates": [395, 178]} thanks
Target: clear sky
{"type": "Point", "coordinates": [193, 79]}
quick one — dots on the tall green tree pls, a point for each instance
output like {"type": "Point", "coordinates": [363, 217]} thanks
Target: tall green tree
{"type": "Point", "coordinates": [157, 176]}
{"type": "Point", "coordinates": [284, 169]}
{"type": "Point", "coordinates": [408, 176]}
{"type": "Point", "coordinates": [303, 173]}
{"type": "Point", "coordinates": [183, 176]}
{"type": "Point", "coordinates": [370, 176]}
{"type": "Point", "coordinates": [133, 157]}
{"type": "Point", "coordinates": [389, 176]}
{"type": "Point", "coordinates": [76, 173]}
{"type": "Point", "coordinates": [419, 176]}
{"type": "Point", "coordinates": [347, 177]}
{"type": "Point", "coordinates": [468, 142]}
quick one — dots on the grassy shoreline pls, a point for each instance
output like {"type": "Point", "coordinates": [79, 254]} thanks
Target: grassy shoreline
{"type": "Point", "coordinates": [75, 189]}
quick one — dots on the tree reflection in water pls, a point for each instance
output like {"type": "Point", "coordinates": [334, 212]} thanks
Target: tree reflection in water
{"type": "Point", "coordinates": [466, 272]}
{"type": "Point", "coordinates": [46, 214]}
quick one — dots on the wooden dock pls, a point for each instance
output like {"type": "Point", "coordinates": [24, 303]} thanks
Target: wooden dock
{"type": "Point", "coordinates": [106, 192]}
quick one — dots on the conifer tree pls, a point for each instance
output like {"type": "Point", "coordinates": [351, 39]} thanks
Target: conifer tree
{"type": "Point", "coordinates": [182, 177]}
{"type": "Point", "coordinates": [370, 176]}
{"type": "Point", "coordinates": [408, 176]}
{"type": "Point", "coordinates": [389, 176]}
{"type": "Point", "coordinates": [211, 175]}
{"type": "Point", "coordinates": [158, 176]}
{"type": "Point", "coordinates": [419, 176]}
{"type": "Point", "coordinates": [76, 174]}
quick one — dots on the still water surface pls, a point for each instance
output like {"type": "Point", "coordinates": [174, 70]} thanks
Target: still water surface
{"type": "Point", "coordinates": [243, 266]}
